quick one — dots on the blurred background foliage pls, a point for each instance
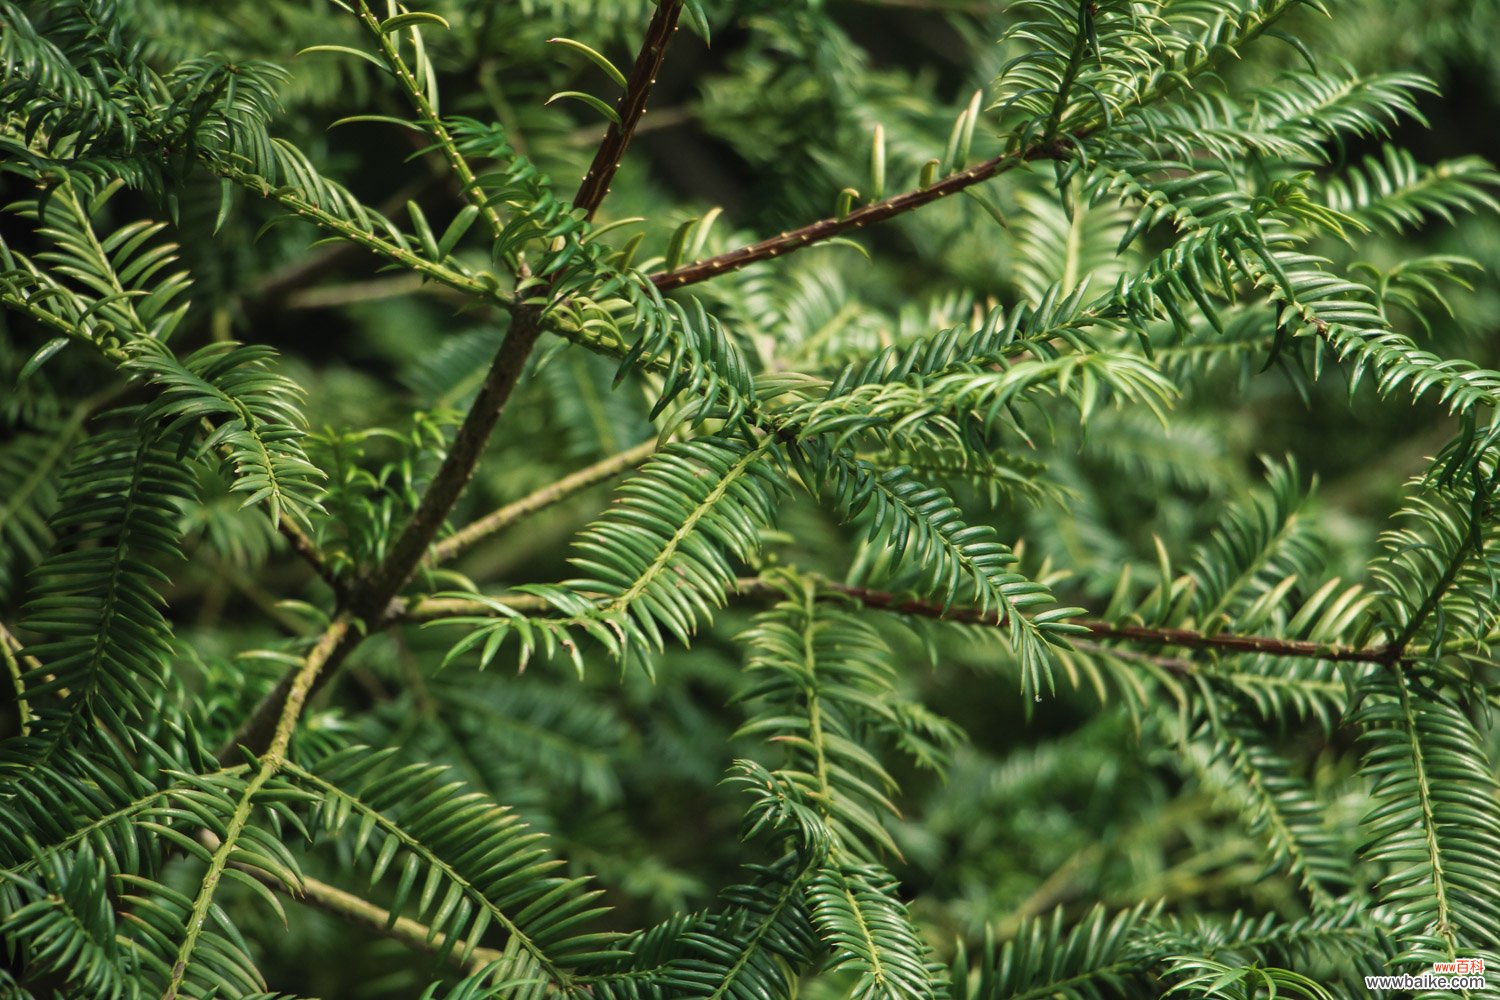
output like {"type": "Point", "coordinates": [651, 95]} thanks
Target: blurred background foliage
{"type": "Point", "coordinates": [1056, 803]}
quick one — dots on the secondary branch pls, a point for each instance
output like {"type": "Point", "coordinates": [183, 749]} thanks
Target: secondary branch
{"type": "Point", "coordinates": [498, 520]}
{"type": "Point", "coordinates": [1095, 629]}
{"type": "Point", "coordinates": [827, 229]}
{"type": "Point", "coordinates": [458, 466]}
{"type": "Point", "coordinates": [434, 123]}
{"type": "Point", "coordinates": [1054, 147]}
{"type": "Point", "coordinates": [631, 107]}
{"type": "Point", "coordinates": [356, 910]}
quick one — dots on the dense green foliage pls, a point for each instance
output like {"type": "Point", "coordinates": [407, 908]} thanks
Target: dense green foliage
{"type": "Point", "coordinates": [990, 500]}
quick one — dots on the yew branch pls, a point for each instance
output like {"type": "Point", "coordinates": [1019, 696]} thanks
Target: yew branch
{"type": "Point", "coordinates": [631, 107]}
{"type": "Point", "coordinates": [1093, 631]}
{"type": "Point", "coordinates": [827, 229]}
{"type": "Point", "coordinates": [371, 598]}
{"type": "Point", "coordinates": [498, 520]}
{"type": "Point", "coordinates": [356, 910]}
{"type": "Point", "coordinates": [1095, 628]}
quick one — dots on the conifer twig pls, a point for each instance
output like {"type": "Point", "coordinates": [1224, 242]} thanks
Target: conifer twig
{"type": "Point", "coordinates": [827, 229]}
{"type": "Point", "coordinates": [502, 518]}
{"type": "Point", "coordinates": [285, 281]}
{"type": "Point", "coordinates": [356, 910]}
{"type": "Point", "coordinates": [631, 107]}
{"type": "Point", "coordinates": [309, 211]}
{"type": "Point", "coordinates": [525, 328]}
{"type": "Point", "coordinates": [290, 710]}
{"type": "Point", "coordinates": [1053, 147]}
{"type": "Point", "coordinates": [431, 608]}
{"type": "Point", "coordinates": [433, 122]}
{"type": "Point", "coordinates": [1096, 628]}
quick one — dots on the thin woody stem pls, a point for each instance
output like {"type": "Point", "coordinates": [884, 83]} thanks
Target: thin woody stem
{"type": "Point", "coordinates": [1266, 645]}
{"type": "Point", "coordinates": [308, 550]}
{"type": "Point", "coordinates": [827, 229]}
{"type": "Point", "coordinates": [631, 107]}
{"type": "Point", "coordinates": [376, 591]}
{"type": "Point", "coordinates": [1094, 629]}
{"type": "Point", "coordinates": [355, 910]}
{"type": "Point", "coordinates": [498, 520]}
{"type": "Point", "coordinates": [525, 328]}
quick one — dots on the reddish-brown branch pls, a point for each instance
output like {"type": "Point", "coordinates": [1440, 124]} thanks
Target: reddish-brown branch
{"type": "Point", "coordinates": [1094, 629]}
{"type": "Point", "coordinates": [1267, 645]}
{"type": "Point", "coordinates": [826, 229]}
{"type": "Point", "coordinates": [1099, 629]}
{"type": "Point", "coordinates": [631, 107]}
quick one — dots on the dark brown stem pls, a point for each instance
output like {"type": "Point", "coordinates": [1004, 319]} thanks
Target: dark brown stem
{"type": "Point", "coordinates": [371, 599]}
{"type": "Point", "coordinates": [630, 109]}
{"type": "Point", "coordinates": [826, 229]}
{"type": "Point", "coordinates": [304, 546]}
{"type": "Point", "coordinates": [663, 118]}
{"type": "Point", "coordinates": [376, 590]}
